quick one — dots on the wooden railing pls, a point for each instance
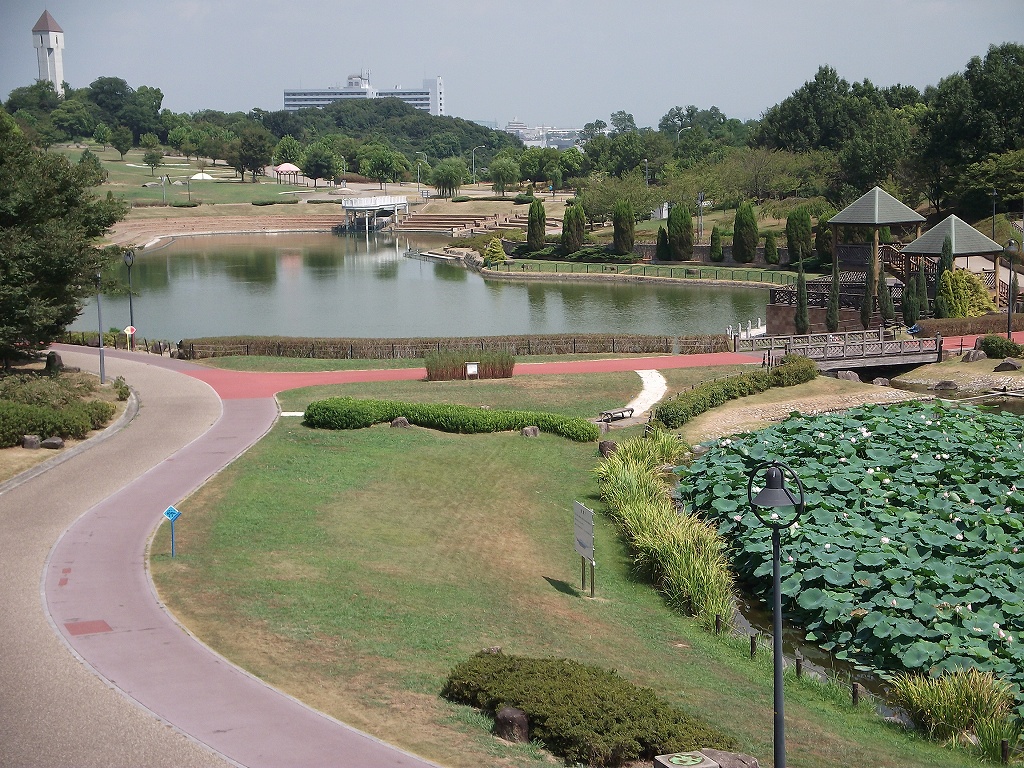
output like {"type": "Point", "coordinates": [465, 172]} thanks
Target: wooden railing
{"type": "Point", "coordinates": [841, 346]}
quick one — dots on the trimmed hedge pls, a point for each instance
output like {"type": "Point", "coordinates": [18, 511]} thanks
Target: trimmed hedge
{"type": "Point", "coordinates": [584, 714]}
{"type": "Point", "coordinates": [968, 326]}
{"type": "Point", "coordinates": [711, 394]}
{"type": "Point", "coordinates": [350, 413]}
{"type": "Point", "coordinates": [74, 421]}
{"type": "Point", "coordinates": [997, 347]}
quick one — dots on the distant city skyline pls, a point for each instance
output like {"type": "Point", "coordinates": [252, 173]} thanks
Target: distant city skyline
{"type": "Point", "coordinates": [560, 65]}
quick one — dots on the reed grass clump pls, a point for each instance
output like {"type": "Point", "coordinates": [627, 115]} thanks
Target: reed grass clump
{"type": "Point", "coordinates": [961, 701]}
{"type": "Point", "coordinates": [683, 555]}
{"type": "Point", "coordinates": [451, 365]}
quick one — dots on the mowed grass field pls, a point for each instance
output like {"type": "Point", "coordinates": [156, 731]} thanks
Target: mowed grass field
{"type": "Point", "coordinates": [354, 569]}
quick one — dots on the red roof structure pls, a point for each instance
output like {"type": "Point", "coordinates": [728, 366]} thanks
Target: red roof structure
{"type": "Point", "coordinates": [47, 23]}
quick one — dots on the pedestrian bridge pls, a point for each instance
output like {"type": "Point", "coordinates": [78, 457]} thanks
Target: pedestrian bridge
{"type": "Point", "coordinates": [853, 349]}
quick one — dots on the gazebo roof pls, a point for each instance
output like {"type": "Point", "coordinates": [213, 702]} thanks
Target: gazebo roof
{"type": "Point", "coordinates": [46, 23]}
{"type": "Point", "coordinates": [287, 168]}
{"type": "Point", "coordinates": [877, 207]}
{"type": "Point", "coordinates": [965, 239]}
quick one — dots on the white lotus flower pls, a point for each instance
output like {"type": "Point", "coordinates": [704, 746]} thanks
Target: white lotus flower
{"type": "Point", "coordinates": [913, 455]}
{"type": "Point", "coordinates": [959, 537]}
{"type": "Point", "coordinates": [737, 518]}
{"type": "Point", "coordinates": [828, 546]}
{"type": "Point", "coordinates": [995, 625]}
{"type": "Point", "coordinates": [871, 471]}
{"type": "Point", "coordinates": [885, 539]}
{"type": "Point", "coordinates": [775, 515]}
{"type": "Point", "coordinates": [893, 602]}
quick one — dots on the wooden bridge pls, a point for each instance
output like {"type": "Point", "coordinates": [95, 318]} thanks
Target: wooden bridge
{"type": "Point", "coordinates": [854, 349]}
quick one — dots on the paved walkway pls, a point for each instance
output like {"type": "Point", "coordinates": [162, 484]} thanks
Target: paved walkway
{"type": "Point", "coordinates": [101, 506]}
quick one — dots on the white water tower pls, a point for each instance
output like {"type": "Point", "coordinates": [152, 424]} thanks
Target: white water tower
{"type": "Point", "coordinates": [48, 38]}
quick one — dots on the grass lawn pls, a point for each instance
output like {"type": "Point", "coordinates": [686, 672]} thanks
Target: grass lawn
{"type": "Point", "coordinates": [354, 569]}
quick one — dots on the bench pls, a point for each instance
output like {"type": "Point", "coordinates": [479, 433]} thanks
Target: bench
{"type": "Point", "coordinates": [617, 414]}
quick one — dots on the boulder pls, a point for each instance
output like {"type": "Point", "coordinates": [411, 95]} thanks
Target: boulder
{"type": "Point", "coordinates": [400, 421]}
{"type": "Point", "coordinates": [1009, 364]}
{"type": "Point", "coordinates": [53, 363]}
{"type": "Point", "coordinates": [881, 381]}
{"type": "Point", "coordinates": [945, 386]}
{"type": "Point", "coordinates": [494, 649]}
{"type": "Point", "coordinates": [32, 442]}
{"type": "Point", "coordinates": [699, 450]}
{"type": "Point", "coordinates": [531, 432]}
{"type": "Point", "coordinates": [54, 443]}
{"type": "Point", "coordinates": [730, 759]}
{"type": "Point", "coordinates": [607, 447]}
{"type": "Point", "coordinates": [977, 342]}
{"type": "Point", "coordinates": [848, 376]}
{"type": "Point", "coordinates": [974, 355]}
{"type": "Point", "coordinates": [511, 724]}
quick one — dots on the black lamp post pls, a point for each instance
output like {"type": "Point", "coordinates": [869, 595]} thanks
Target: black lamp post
{"type": "Point", "coordinates": [129, 259]}
{"type": "Point", "coordinates": [99, 319]}
{"type": "Point", "coordinates": [775, 496]}
{"type": "Point", "coordinates": [1012, 249]}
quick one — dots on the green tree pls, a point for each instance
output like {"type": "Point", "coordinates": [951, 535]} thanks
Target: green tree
{"type": "Point", "coordinates": [154, 158]}
{"type": "Point", "coordinates": [823, 238]}
{"type": "Point", "coordinates": [504, 173]}
{"type": "Point", "coordinates": [573, 223]}
{"type": "Point", "coordinates": [149, 141]}
{"type": "Point", "coordinates": [744, 234]}
{"type": "Point", "coordinates": [92, 167]}
{"type": "Point", "coordinates": [910, 307]}
{"type": "Point", "coordinates": [121, 140]}
{"type": "Point", "coordinates": [318, 162]}
{"type": "Point", "coordinates": [50, 225]}
{"type": "Point", "coordinates": [535, 226]}
{"type": "Point", "coordinates": [179, 136]}
{"type": "Point", "coordinates": [662, 252]}
{"type": "Point", "coordinates": [867, 302]}
{"type": "Point", "coordinates": [716, 255]}
{"type": "Point", "coordinates": [922, 290]}
{"type": "Point", "coordinates": [382, 163]}
{"type": "Point", "coordinates": [288, 150]}
{"type": "Point", "coordinates": [771, 248]}
{"type": "Point", "coordinates": [448, 176]}
{"type": "Point", "coordinates": [494, 252]}
{"type": "Point", "coordinates": [74, 119]}
{"type": "Point", "coordinates": [573, 163]}
{"type": "Point", "coordinates": [963, 294]}
{"type": "Point", "coordinates": [623, 228]}
{"type": "Point", "coordinates": [680, 233]}
{"type": "Point", "coordinates": [798, 235]}
{"type": "Point", "coordinates": [885, 302]}
{"type": "Point", "coordinates": [255, 150]}
{"type": "Point", "coordinates": [102, 135]}
{"type": "Point", "coordinates": [832, 312]}
{"type": "Point", "coordinates": [800, 320]}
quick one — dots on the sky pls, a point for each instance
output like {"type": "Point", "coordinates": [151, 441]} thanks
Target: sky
{"type": "Point", "coordinates": [559, 63]}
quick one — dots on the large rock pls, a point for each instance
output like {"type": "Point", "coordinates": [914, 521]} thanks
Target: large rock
{"type": "Point", "coordinates": [32, 442]}
{"type": "Point", "coordinates": [1009, 364]}
{"type": "Point", "coordinates": [511, 724]}
{"type": "Point", "coordinates": [607, 447]}
{"type": "Point", "coordinates": [54, 364]}
{"type": "Point", "coordinates": [974, 355]}
{"type": "Point", "coordinates": [945, 386]}
{"type": "Point", "coordinates": [54, 443]}
{"type": "Point", "coordinates": [848, 376]}
{"type": "Point", "coordinates": [531, 432]}
{"type": "Point", "coordinates": [880, 382]}
{"type": "Point", "coordinates": [730, 759]}
{"type": "Point", "coordinates": [400, 421]}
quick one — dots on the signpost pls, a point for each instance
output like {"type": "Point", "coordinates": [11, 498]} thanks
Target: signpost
{"type": "Point", "coordinates": [129, 333]}
{"type": "Point", "coordinates": [172, 514]}
{"type": "Point", "coordinates": [583, 527]}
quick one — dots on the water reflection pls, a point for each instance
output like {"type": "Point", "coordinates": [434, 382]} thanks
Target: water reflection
{"type": "Point", "coordinates": [321, 285]}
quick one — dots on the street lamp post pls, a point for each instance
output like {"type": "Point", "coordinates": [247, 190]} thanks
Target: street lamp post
{"type": "Point", "coordinates": [344, 170]}
{"type": "Point", "coordinates": [1012, 249]}
{"type": "Point", "coordinates": [647, 179]}
{"type": "Point", "coordinates": [473, 153]}
{"type": "Point", "coordinates": [418, 161]}
{"type": "Point", "coordinates": [129, 259]}
{"type": "Point", "coordinates": [775, 496]}
{"type": "Point", "coordinates": [99, 319]}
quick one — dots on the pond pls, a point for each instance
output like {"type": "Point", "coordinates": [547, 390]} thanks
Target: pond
{"type": "Point", "coordinates": [318, 284]}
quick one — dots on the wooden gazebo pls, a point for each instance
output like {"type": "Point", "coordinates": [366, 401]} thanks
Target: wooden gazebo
{"type": "Point", "coordinates": [875, 209]}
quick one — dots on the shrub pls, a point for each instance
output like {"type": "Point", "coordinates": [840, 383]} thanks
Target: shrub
{"type": "Point", "coordinates": [745, 234]}
{"type": "Point", "coordinates": [624, 227]}
{"type": "Point", "coordinates": [711, 394]}
{"type": "Point", "coordinates": [185, 204]}
{"type": "Point", "coordinates": [716, 254]}
{"type": "Point", "coordinates": [953, 703]}
{"type": "Point", "coordinates": [460, 199]}
{"type": "Point", "coordinates": [52, 391]}
{"type": "Point", "coordinates": [121, 388]}
{"type": "Point", "coordinates": [523, 199]}
{"type": "Point", "coordinates": [997, 347]}
{"type": "Point", "coordinates": [771, 248]}
{"type": "Point", "coordinates": [536, 222]}
{"type": "Point", "coordinates": [680, 233]}
{"type": "Point", "coordinates": [264, 202]}
{"type": "Point", "coordinates": [349, 413]}
{"type": "Point", "coordinates": [451, 365]}
{"type": "Point", "coordinates": [17, 419]}
{"type": "Point", "coordinates": [584, 714]}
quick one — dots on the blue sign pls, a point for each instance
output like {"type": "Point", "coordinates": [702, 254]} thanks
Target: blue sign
{"type": "Point", "coordinates": [172, 514]}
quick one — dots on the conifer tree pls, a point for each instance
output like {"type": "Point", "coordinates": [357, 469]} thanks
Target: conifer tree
{"type": "Point", "coordinates": [536, 223]}
{"type": "Point", "coordinates": [771, 248]}
{"type": "Point", "coordinates": [744, 234]}
{"type": "Point", "coordinates": [716, 254]}
{"type": "Point", "coordinates": [662, 252]}
{"type": "Point", "coordinates": [801, 321]}
{"type": "Point", "coordinates": [680, 233]}
{"type": "Point", "coordinates": [573, 225]}
{"type": "Point", "coordinates": [798, 235]}
{"type": "Point", "coordinates": [832, 313]}
{"type": "Point", "coordinates": [942, 308]}
{"type": "Point", "coordinates": [623, 228]}
{"type": "Point", "coordinates": [910, 306]}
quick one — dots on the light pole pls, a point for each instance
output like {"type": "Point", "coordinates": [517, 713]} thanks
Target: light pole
{"type": "Point", "coordinates": [775, 496]}
{"type": "Point", "coordinates": [473, 153]}
{"type": "Point", "coordinates": [418, 170]}
{"type": "Point", "coordinates": [344, 170]}
{"type": "Point", "coordinates": [99, 320]}
{"type": "Point", "coordinates": [1012, 249]}
{"type": "Point", "coordinates": [129, 259]}
{"type": "Point", "coordinates": [684, 128]}
{"type": "Point", "coordinates": [647, 179]}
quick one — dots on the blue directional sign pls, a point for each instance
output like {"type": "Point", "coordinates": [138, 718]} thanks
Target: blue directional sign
{"type": "Point", "coordinates": [172, 514]}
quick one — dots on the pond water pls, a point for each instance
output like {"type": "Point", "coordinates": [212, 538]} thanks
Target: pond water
{"type": "Point", "coordinates": [303, 284]}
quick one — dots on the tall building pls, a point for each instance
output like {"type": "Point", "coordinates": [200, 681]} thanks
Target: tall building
{"type": "Point", "coordinates": [429, 98]}
{"type": "Point", "coordinates": [48, 38]}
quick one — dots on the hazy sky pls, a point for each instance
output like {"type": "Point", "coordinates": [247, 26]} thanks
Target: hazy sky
{"type": "Point", "coordinates": [551, 62]}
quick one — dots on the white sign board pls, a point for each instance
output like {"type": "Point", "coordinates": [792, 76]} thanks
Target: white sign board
{"type": "Point", "coordinates": [583, 525]}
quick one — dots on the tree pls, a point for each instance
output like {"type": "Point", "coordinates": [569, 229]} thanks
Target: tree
{"type": "Point", "coordinates": [382, 163]}
{"type": "Point", "coordinates": [922, 290]}
{"type": "Point", "coordinates": [255, 150]}
{"type": "Point", "coordinates": [149, 141]}
{"type": "Point", "coordinates": [962, 294]}
{"type": "Point", "coordinates": [91, 166]}
{"type": "Point", "coordinates": [800, 320]}
{"type": "Point", "coordinates": [771, 248]}
{"type": "Point", "coordinates": [885, 303]}
{"type": "Point", "coordinates": [680, 233]}
{"type": "Point", "coordinates": [121, 140]}
{"type": "Point", "coordinates": [73, 118]}
{"type": "Point", "coordinates": [288, 150]}
{"type": "Point", "coordinates": [494, 252]}
{"type": "Point", "coordinates": [662, 252]}
{"type": "Point", "coordinates": [448, 176]}
{"type": "Point", "coordinates": [832, 313]}
{"type": "Point", "coordinates": [623, 228]}
{"type": "Point", "coordinates": [535, 226]}
{"type": "Point", "coordinates": [745, 234]}
{"type": "Point", "coordinates": [50, 224]}
{"type": "Point", "coordinates": [318, 163]}
{"type": "Point", "coordinates": [573, 224]}
{"type": "Point", "coordinates": [798, 235]}
{"type": "Point", "coordinates": [504, 173]}
{"type": "Point", "coordinates": [867, 302]}
{"type": "Point", "coordinates": [102, 135]}
{"type": "Point", "coordinates": [573, 163]}
{"type": "Point", "coordinates": [622, 122]}
{"type": "Point", "coordinates": [154, 158]}
{"type": "Point", "coordinates": [823, 238]}
{"type": "Point", "coordinates": [716, 254]}
{"type": "Point", "coordinates": [910, 306]}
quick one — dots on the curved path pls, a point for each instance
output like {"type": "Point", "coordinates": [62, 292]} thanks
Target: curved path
{"type": "Point", "coordinates": [98, 596]}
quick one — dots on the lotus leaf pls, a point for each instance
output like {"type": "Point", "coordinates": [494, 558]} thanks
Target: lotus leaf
{"type": "Point", "coordinates": [812, 599]}
{"type": "Point", "coordinates": [871, 559]}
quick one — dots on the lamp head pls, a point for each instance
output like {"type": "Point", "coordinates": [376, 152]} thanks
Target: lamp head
{"type": "Point", "coordinates": [129, 257]}
{"type": "Point", "coordinates": [774, 494]}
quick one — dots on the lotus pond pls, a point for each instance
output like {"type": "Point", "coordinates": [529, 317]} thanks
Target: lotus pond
{"type": "Point", "coordinates": [911, 551]}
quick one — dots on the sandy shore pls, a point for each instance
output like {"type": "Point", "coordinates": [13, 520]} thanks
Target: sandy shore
{"type": "Point", "coordinates": [140, 231]}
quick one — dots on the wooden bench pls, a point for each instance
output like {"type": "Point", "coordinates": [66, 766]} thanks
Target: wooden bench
{"type": "Point", "coordinates": [617, 414]}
